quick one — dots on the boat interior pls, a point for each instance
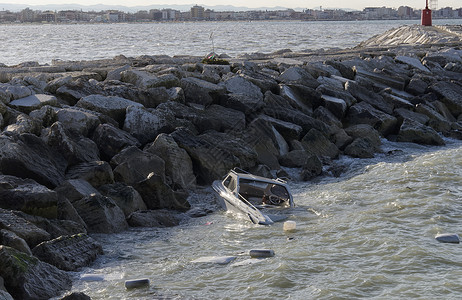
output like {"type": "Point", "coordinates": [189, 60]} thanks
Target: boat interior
{"type": "Point", "coordinates": [263, 193]}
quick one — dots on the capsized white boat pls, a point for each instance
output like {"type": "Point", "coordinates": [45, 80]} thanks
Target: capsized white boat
{"type": "Point", "coordinates": [248, 195]}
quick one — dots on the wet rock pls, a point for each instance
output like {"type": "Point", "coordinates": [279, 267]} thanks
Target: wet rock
{"type": "Point", "coordinates": [28, 196]}
{"type": "Point", "coordinates": [28, 278]}
{"type": "Point", "coordinates": [335, 105]}
{"type": "Point", "coordinates": [134, 165]}
{"type": "Point", "coordinates": [212, 162]}
{"type": "Point", "coordinates": [436, 120]}
{"type": "Point", "coordinates": [323, 114]}
{"type": "Point", "coordinates": [402, 114]}
{"type": "Point", "coordinates": [112, 106]}
{"type": "Point", "coordinates": [298, 75]}
{"type": "Point", "coordinates": [10, 239]}
{"type": "Point", "coordinates": [288, 130]}
{"type": "Point", "coordinates": [33, 102]}
{"type": "Point", "coordinates": [100, 213]}
{"type": "Point", "coordinates": [450, 94]}
{"type": "Point", "coordinates": [414, 132]}
{"type": "Point", "coordinates": [178, 164]}
{"type": "Point", "coordinates": [311, 169]}
{"type": "Point", "coordinates": [364, 131]}
{"type": "Point", "coordinates": [67, 212]}
{"type": "Point", "coordinates": [156, 194]}
{"type": "Point", "coordinates": [27, 156]}
{"type": "Point", "coordinates": [75, 296]}
{"type": "Point", "coordinates": [75, 189]}
{"type": "Point", "coordinates": [46, 115]}
{"type": "Point", "coordinates": [260, 136]}
{"type": "Point", "coordinates": [74, 147]}
{"type": "Point", "coordinates": [79, 121]}
{"type": "Point", "coordinates": [200, 91]}
{"type": "Point", "coordinates": [144, 125]}
{"type": "Point", "coordinates": [295, 158]}
{"type": "Point", "coordinates": [69, 253]}
{"type": "Point", "coordinates": [125, 196]}
{"type": "Point", "coordinates": [360, 148]}
{"type": "Point", "coordinates": [155, 218]}
{"type": "Point", "coordinates": [261, 170]}
{"type": "Point", "coordinates": [316, 143]}
{"type": "Point", "coordinates": [344, 70]}
{"type": "Point", "coordinates": [96, 173]}
{"type": "Point", "coordinates": [364, 113]}
{"type": "Point", "coordinates": [23, 124]}
{"type": "Point", "coordinates": [362, 94]}
{"type": "Point", "coordinates": [32, 234]}
{"type": "Point", "coordinates": [416, 86]}
{"type": "Point", "coordinates": [112, 140]}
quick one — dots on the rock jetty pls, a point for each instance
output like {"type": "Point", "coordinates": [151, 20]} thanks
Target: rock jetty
{"type": "Point", "coordinates": [98, 146]}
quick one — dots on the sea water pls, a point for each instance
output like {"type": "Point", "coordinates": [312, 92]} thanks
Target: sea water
{"type": "Point", "coordinates": [369, 233]}
{"type": "Point", "coordinates": [74, 42]}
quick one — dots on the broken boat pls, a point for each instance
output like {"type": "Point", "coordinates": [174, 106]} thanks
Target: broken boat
{"type": "Point", "coordinates": [253, 196]}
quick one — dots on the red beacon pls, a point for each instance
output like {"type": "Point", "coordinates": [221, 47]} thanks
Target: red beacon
{"type": "Point", "coordinates": [426, 16]}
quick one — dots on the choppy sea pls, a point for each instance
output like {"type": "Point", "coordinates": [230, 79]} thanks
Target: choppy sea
{"type": "Point", "coordinates": [73, 42]}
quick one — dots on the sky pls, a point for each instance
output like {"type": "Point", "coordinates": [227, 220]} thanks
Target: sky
{"type": "Point", "coordinates": [354, 4]}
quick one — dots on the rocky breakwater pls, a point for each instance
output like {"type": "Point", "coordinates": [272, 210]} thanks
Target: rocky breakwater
{"type": "Point", "coordinates": [98, 146]}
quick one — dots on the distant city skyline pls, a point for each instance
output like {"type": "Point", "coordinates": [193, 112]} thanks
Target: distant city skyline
{"type": "Point", "coordinates": [310, 4]}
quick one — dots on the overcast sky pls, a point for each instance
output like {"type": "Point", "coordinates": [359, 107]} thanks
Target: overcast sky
{"type": "Point", "coordinates": [356, 4]}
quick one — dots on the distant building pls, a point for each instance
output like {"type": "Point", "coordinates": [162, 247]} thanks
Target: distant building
{"type": "Point", "coordinates": [170, 14]}
{"type": "Point", "coordinates": [405, 12]}
{"type": "Point", "coordinates": [27, 15]}
{"type": "Point", "coordinates": [48, 17]}
{"type": "Point", "coordinates": [197, 12]}
{"type": "Point", "coordinates": [113, 16]}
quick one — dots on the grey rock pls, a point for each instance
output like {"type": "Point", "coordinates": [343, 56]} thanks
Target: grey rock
{"type": "Point", "coordinates": [28, 278]}
{"type": "Point", "coordinates": [96, 173]}
{"type": "Point", "coordinates": [360, 148]}
{"type": "Point", "coordinates": [10, 239]}
{"type": "Point", "coordinates": [82, 122]}
{"type": "Point", "coordinates": [316, 143]}
{"type": "Point", "coordinates": [323, 114]}
{"type": "Point", "coordinates": [112, 140]}
{"type": "Point", "coordinates": [402, 114]}
{"type": "Point", "coordinates": [414, 132]}
{"type": "Point", "coordinates": [364, 113]}
{"type": "Point", "coordinates": [298, 75]}
{"type": "Point", "coordinates": [178, 164]}
{"type": "Point", "coordinates": [74, 147]}
{"type": "Point", "coordinates": [413, 62]}
{"type": "Point", "coordinates": [27, 156]}
{"type": "Point", "coordinates": [362, 94]}
{"type": "Point", "coordinates": [312, 168]}
{"type": "Point", "coordinates": [75, 189]}
{"type": "Point", "coordinates": [295, 158]}
{"type": "Point", "coordinates": [101, 214]}
{"type": "Point", "coordinates": [243, 103]}
{"type": "Point", "coordinates": [33, 102]}
{"type": "Point", "coordinates": [115, 74]}
{"type": "Point", "coordinates": [301, 97]}
{"type": "Point", "coordinates": [144, 125]}
{"type": "Point", "coordinates": [156, 194]}
{"type": "Point", "coordinates": [46, 115]}
{"type": "Point", "coordinates": [134, 165]}
{"type": "Point", "coordinates": [450, 94]}
{"type": "Point", "coordinates": [69, 253]}
{"type": "Point", "coordinates": [365, 131]}
{"type": "Point", "coordinates": [288, 130]}
{"type": "Point", "coordinates": [75, 296]}
{"type": "Point", "coordinates": [335, 105]}
{"type": "Point", "coordinates": [23, 124]}
{"type": "Point", "coordinates": [344, 70]}
{"type": "Point", "coordinates": [32, 234]}
{"type": "Point", "coordinates": [112, 106]}
{"type": "Point", "coordinates": [337, 93]}
{"type": "Point", "coordinates": [28, 196]}
{"type": "Point", "coordinates": [200, 91]}
{"type": "Point", "coordinates": [436, 120]}
{"type": "Point", "coordinates": [416, 87]}
{"type": "Point", "coordinates": [125, 196]}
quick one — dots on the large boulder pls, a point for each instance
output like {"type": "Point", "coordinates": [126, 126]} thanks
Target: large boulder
{"type": "Point", "coordinates": [155, 218]}
{"type": "Point", "coordinates": [147, 80]}
{"type": "Point", "coordinates": [298, 75]}
{"type": "Point", "coordinates": [22, 123]}
{"type": "Point", "coordinates": [134, 165]}
{"type": "Point", "coordinates": [28, 196]}
{"type": "Point", "coordinates": [450, 94]}
{"type": "Point", "coordinates": [436, 120]}
{"type": "Point", "coordinates": [365, 131]}
{"type": "Point", "coordinates": [111, 140]}
{"type": "Point", "coordinates": [238, 85]}
{"type": "Point", "coordinates": [363, 94]}
{"type": "Point", "coordinates": [74, 147]}
{"type": "Point", "coordinates": [101, 214]}
{"type": "Point", "coordinates": [144, 125]}
{"type": "Point", "coordinates": [33, 102]}
{"type": "Point", "coordinates": [27, 156]}
{"type": "Point", "coordinates": [414, 132]}
{"type": "Point", "coordinates": [211, 162]}
{"type": "Point", "coordinates": [112, 106]}
{"type": "Point", "coordinates": [28, 278]}
{"type": "Point", "coordinates": [262, 137]}
{"type": "Point", "coordinates": [75, 189]}
{"type": "Point", "coordinates": [69, 253]}
{"type": "Point", "coordinates": [96, 173]}
{"type": "Point", "coordinates": [364, 113]}
{"type": "Point", "coordinates": [77, 120]}
{"type": "Point", "coordinates": [125, 196]}
{"type": "Point", "coordinates": [32, 234]}
{"type": "Point", "coordinates": [11, 239]}
{"type": "Point", "coordinates": [156, 194]}
{"type": "Point", "coordinates": [289, 131]}
{"type": "Point", "coordinates": [316, 143]}
{"type": "Point", "coordinates": [201, 91]}
{"type": "Point", "coordinates": [178, 164]}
